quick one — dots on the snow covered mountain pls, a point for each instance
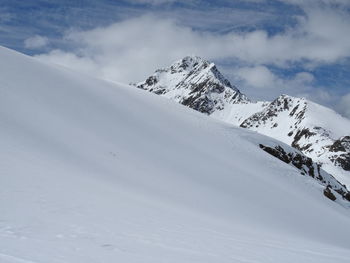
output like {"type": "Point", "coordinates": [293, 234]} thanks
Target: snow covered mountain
{"type": "Point", "coordinates": [195, 83]}
{"type": "Point", "coordinates": [319, 132]}
{"type": "Point", "coordinates": [92, 171]}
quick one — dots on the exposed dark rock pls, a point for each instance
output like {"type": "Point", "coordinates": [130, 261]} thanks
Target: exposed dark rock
{"type": "Point", "coordinates": [341, 145]}
{"type": "Point", "coordinates": [328, 193]}
{"type": "Point", "coordinates": [303, 163]}
{"type": "Point", "coordinates": [342, 160]}
{"type": "Point", "coordinates": [151, 80]}
{"type": "Point", "coordinates": [159, 91]}
{"type": "Point", "coordinates": [278, 152]}
{"type": "Point", "coordinates": [347, 196]}
{"type": "Point", "coordinates": [341, 148]}
{"type": "Point", "coordinates": [282, 103]}
{"type": "Point", "coordinates": [199, 103]}
{"type": "Point", "coordinates": [308, 167]}
{"type": "Point", "coordinates": [306, 133]}
{"type": "Point", "coordinates": [294, 110]}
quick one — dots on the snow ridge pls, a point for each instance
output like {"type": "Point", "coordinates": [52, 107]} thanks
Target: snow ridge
{"type": "Point", "coordinates": [305, 126]}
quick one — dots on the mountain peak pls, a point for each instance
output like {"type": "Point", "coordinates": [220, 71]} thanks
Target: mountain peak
{"type": "Point", "coordinates": [191, 62]}
{"type": "Point", "coordinates": [287, 102]}
{"type": "Point", "coordinates": [196, 83]}
{"type": "Point", "coordinates": [290, 98]}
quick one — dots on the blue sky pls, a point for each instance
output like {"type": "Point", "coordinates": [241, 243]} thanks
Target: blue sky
{"type": "Point", "coordinates": [265, 47]}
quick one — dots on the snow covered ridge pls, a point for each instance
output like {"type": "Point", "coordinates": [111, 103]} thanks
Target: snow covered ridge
{"type": "Point", "coordinates": [195, 83]}
{"type": "Point", "coordinates": [318, 132]}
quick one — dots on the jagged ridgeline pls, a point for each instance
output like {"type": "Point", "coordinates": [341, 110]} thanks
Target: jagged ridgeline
{"type": "Point", "coordinates": [318, 132]}
{"type": "Point", "coordinates": [196, 83]}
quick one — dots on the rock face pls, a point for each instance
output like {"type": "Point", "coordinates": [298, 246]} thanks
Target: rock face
{"type": "Point", "coordinates": [309, 168]}
{"type": "Point", "coordinates": [340, 152]}
{"type": "Point", "coordinates": [195, 83]}
{"type": "Point", "coordinates": [316, 131]}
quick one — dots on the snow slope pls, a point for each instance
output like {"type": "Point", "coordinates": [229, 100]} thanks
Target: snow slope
{"type": "Point", "coordinates": [97, 172]}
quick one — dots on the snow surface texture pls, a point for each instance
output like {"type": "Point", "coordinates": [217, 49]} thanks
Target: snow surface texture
{"type": "Point", "coordinates": [319, 132]}
{"type": "Point", "coordinates": [97, 172]}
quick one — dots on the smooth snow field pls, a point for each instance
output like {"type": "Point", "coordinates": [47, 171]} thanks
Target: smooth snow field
{"type": "Point", "coordinates": [95, 172]}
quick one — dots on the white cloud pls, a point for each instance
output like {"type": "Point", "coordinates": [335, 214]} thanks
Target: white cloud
{"type": "Point", "coordinates": [36, 42]}
{"type": "Point", "coordinates": [257, 77]}
{"type": "Point", "coordinates": [132, 49]}
{"type": "Point", "coordinates": [303, 78]}
{"type": "Point", "coordinates": [70, 60]}
{"type": "Point", "coordinates": [344, 106]}
{"type": "Point", "coordinates": [260, 81]}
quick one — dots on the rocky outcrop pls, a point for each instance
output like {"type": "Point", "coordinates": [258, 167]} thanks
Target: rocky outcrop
{"type": "Point", "coordinates": [309, 168]}
{"type": "Point", "coordinates": [269, 115]}
{"type": "Point", "coordinates": [340, 152]}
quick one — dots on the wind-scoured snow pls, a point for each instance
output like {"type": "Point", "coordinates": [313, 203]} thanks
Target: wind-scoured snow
{"type": "Point", "coordinates": [97, 172]}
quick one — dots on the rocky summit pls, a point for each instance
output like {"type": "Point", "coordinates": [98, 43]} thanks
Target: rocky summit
{"type": "Point", "coordinates": [196, 83]}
